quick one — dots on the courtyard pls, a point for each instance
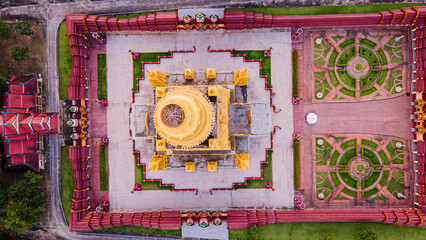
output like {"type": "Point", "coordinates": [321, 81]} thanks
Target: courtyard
{"type": "Point", "coordinates": [201, 183]}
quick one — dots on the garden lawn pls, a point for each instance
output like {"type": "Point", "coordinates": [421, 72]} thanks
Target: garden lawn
{"type": "Point", "coordinates": [102, 81]}
{"type": "Point", "coordinates": [138, 229]}
{"type": "Point", "coordinates": [295, 65]}
{"type": "Point", "coordinates": [67, 182]}
{"type": "Point", "coordinates": [327, 9]}
{"type": "Point", "coordinates": [139, 178]}
{"type": "Point", "coordinates": [103, 168]}
{"type": "Point", "coordinates": [296, 158]}
{"type": "Point", "coordinates": [137, 64]}
{"type": "Point", "coordinates": [315, 231]}
{"type": "Point", "coordinates": [64, 62]}
{"type": "Point", "coordinates": [267, 176]}
{"type": "Point", "coordinates": [266, 62]}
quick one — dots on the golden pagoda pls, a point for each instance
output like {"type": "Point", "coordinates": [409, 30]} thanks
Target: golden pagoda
{"type": "Point", "coordinates": [184, 117]}
{"type": "Point", "coordinates": [189, 74]}
{"type": "Point", "coordinates": [157, 78]}
{"type": "Point", "coordinates": [242, 161]}
{"type": "Point", "coordinates": [190, 166]}
{"type": "Point", "coordinates": [212, 166]}
{"type": "Point", "coordinates": [241, 77]}
{"type": "Point", "coordinates": [157, 163]}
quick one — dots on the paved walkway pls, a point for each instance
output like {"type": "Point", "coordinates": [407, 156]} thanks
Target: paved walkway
{"type": "Point", "coordinates": [98, 120]}
{"type": "Point", "coordinates": [211, 232]}
{"type": "Point", "coordinates": [120, 148]}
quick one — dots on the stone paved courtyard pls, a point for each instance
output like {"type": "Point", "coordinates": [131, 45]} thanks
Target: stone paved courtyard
{"type": "Point", "coordinates": [121, 160]}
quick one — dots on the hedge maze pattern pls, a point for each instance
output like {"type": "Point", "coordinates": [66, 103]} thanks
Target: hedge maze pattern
{"type": "Point", "coordinates": [357, 67]}
{"type": "Point", "coordinates": [363, 169]}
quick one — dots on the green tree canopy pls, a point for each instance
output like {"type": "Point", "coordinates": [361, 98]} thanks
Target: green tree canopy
{"type": "Point", "coordinates": [367, 234]}
{"type": "Point", "coordinates": [24, 28]}
{"type": "Point", "coordinates": [4, 30]}
{"type": "Point", "coordinates": [24, 205]}
{"type": "Point", "coordinates": [19, 53]}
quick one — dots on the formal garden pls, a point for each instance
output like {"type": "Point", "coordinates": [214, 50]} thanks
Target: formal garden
{"type": "Point", "coordinates": [364, 168]}
{"type": "Point", "coordinates": [357, 67]}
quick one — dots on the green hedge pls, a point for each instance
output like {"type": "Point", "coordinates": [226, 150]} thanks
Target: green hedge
{"type": "Point", "coordinates": [348, 179]}
{"type": "Point", "coordinates": [335, 179]}
{"type": "Point", "coordinates": [367, 42]}
{"type": "Point", "coordinates": [295, 64]}
{"type": "Point", "coordinates": [348, 144]}
{"type": "Point", "coordinates": [369, 143]}
{"type": "Point", "coordinates": [371, 179]}
{"type": "Point", "coordinates": [370, 156]}
{"type": "Point", "coordinates": [103, 168]}
{"type": "Point", "coordinates": [347, 157]}
{"type": "Point", "coordinates": [102, 80]}
{"type": "Point", "coordinates": [296, 158]}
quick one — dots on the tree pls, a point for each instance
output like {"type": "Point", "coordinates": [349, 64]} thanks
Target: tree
{"type": "Point", "coordinates": [19, 53]}
{"type": "Point", "coordinates": [4, 30]}
{"type": "Point", "coordinates": [4, 77]}
{"type": "Point", "coordinates": [253, 233]}
{"type": "Point", "coordinates": [329, 236]}
{"type": "Point", "coordinates": [367, 234]}
{"type": "Point", "coordinates": [24, 205]}
{"type": "Point", "coordinates": [3, 198]}
{"type": "Point", "coordinates": [24, 28]}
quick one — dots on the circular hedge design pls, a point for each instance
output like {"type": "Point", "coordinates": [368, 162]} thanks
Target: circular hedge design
{"type": "Point", "coordinates": [356, 67]}
{"type": "Point", "coordinates": [363, 167]}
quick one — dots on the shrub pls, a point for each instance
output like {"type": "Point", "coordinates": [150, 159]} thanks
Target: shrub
{"type": "Point", "coordinates": [4, 30]}
{"type": "Point", "coordinates": [24, 28]}
{"type": "Point", "coordinates": [253, 233]}
{"type": "Point", "coordinates": [329, 236]}
{"type": "Point", "coordinates": [19, 53]}
{"type": "Point", "coordinates": [367, 234]}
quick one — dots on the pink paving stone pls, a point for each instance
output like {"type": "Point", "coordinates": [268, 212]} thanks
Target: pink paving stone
{"type": "Point", "coordinates": [98, 120]}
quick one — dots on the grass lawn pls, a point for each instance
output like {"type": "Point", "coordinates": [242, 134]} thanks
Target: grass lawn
{"type": "Point", "coordinates": [295, 65]}
{"type": "Point", "coordinates": [103, 168]}
{"type": "Point", "coordinates": [266, 62]}
{"type": "Point", "coordinates": [64, 62]}
{"type": "Point", "coordinates": [137, 64]}
{"type": "Point", "coordinates": [267, 176]}
{"type": "Point", "coordinates": [67, 182]}
{"type": "Point", "coordinates": [137, 229]}
{"type": "Point", "coordinates": [139, 178]}
{"type": "Point", "coordinates": [102, 82]}
{"type": "Point", "coordinates": [296, 158]}
{"type": "Point", "coordinates": [327, 9]}
{"type": "Point", "coordinates": [139, 14]}
{"type": "Point", "coordinates": [315, 231]}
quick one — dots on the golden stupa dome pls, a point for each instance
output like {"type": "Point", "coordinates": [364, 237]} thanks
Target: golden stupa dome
{"type": "Point", "coordinates": [184, 117]}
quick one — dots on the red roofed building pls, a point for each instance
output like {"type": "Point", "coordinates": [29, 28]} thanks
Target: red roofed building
{"type": "Point", "coordinates": [21, 123]}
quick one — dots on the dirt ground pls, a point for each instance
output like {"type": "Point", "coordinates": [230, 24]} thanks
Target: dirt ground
{"type": "Point", "coordinates": [35, 63]}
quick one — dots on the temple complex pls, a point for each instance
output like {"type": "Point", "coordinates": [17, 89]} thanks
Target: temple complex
{"type": "Point", "coordinates": [236, 118]}
{"type": "Point", "coordinates": [23, 123]}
